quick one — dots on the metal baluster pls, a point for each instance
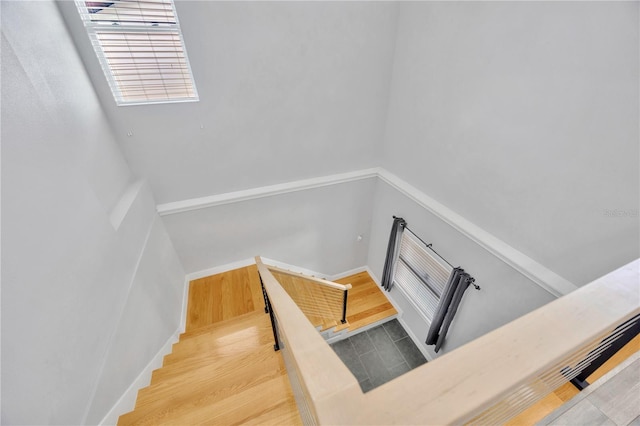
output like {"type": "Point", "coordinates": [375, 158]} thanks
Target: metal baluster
{"type": "Point", "coordinates": [344, 307]}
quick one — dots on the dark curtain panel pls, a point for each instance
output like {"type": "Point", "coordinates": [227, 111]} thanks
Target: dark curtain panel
{"type": "Point", "coordinates": [463, 284]}
{"type": "Point", "coordinates": [396, 230]}
{"type": "Point", "coordinates": [445, 301]}
{"type": "Point", "coordinates": [449, 301]}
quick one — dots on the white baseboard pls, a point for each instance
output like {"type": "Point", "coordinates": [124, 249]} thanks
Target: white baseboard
{"type": "Point", "coordinates": [400, 318]}
{"type": "Point", "coordinates": [294, 268]}
{"type": "Point", "coordinates": [415, 339]}
{"type": "Point", "coordinates": [219, 269]}
{"type": "Point", "coordinates": [251, 261]}
{"type": "Point", "coordinates": [127, 401]}
{"type": "Point", "coordinates": [185, 305]}
{"type": "Point", "coordinates": [348, 273]}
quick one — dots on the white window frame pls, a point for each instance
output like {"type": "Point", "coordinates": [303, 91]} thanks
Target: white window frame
{"type": "Point", "coordinates": [96, 29]}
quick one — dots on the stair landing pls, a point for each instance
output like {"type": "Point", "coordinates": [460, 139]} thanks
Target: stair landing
{"type": "Point", "coordinates": [224, 370]}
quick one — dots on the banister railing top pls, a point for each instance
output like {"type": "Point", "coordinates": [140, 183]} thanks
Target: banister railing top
{"type": "Point", "coordinates": [472, 378]}
{"type": "Point", "coordinates": [316, 280]}
{"type": "Point", "coordinates": [323, 373]}
{"type": "Point", "coordinates": [462, 384]}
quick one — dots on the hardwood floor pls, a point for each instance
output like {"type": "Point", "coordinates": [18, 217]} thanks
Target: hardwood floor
{"type": "Point", "coordinates": [223, 296]}
{"type": "Point", "coordinates": [224, 369]}
{"type": "Point", "coordinates": [366, 303]}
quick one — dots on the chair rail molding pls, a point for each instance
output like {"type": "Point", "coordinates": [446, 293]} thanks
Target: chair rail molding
{"type": "Point", "coordinates": [263, 191]}
{"type": "Point", "coordinates": [533, 270]}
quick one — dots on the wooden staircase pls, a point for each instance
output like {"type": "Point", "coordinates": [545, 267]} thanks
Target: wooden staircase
{"type": "Point", "coordinates": [225, 373]}
{"type": "Point", "coordinates": [224, 370]}
{"type": "Point", "coordinates": [366, 303]}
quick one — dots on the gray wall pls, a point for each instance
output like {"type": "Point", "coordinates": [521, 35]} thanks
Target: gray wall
{"type": "Point", "coordinates": [288, 90]}
{"type": "Point", "coordinates": [86, 301]}
{"type": "Point", "coordinates": [314, 229]}
{"type": "Point", "coordinates": [523, 118]}
{"type": "Point", "coordinates": [505, 293]}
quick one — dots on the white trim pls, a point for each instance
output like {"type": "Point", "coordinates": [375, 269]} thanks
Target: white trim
{"type": "Point", "coordinates": [114, 330]}
{"type": "Point", "coordinates": [544, 277]}
{"type": "Point", "coordinates": [127, 401]}
{"type": "Point", "coordinates": [251, 261]}
{"type": "Point", "coordinates": [400, 318]}
{"type": "Point", "coordinates": [293, 268]}
{"type": "Point", "coordinates": [185, 305]}
{"type": "Point", "coordinates": [124, 203]}
{"type": "Point", "coordinates": [263, 191]}
{"type": "Point", "coordinates": [536, 272]}
{"type": "Point", "coordinates": [219, 269]}
{"type": "Point", "coordinates": [348, 273]}
{"type": "Point", "coordinates": [419, 344]}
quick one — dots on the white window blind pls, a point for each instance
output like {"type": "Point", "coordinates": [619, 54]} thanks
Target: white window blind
{"type": "Point", "coordinates": [420, 275]}
{"type": "Point", "coordinates": [141, 50]}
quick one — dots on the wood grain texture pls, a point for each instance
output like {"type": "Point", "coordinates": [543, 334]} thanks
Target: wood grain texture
{"type": "Point", "coordinates": [366, 303]}
{"type": "Point", "coordinates": [224, 370]}
{"type": "Point", "coordinates": [215, 385]}
{"type": "Point", "coordinates": [223, 296]}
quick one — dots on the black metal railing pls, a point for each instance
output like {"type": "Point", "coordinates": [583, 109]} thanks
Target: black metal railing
{"type": "Point", "coordinates": [344, 307]}
{"type": "Point", "coordinates": [622, 335]}
{"type": "Point", "coordinates": [269, 310]}
{"type": "Point", "coordinates": [331, 303]}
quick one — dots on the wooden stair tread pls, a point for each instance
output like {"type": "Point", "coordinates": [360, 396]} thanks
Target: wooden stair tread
{"type": "Point", "coordinates": [213, 381]}
{"type": "Point", "coordinates": [210, 361]}
{"type": "Point", "coordinates": [251, 333]}
{"type": "Point", "coordinates": [236, 408]}
{"type": "Point", "coordinates": [226, 326]}
{"type": "Point", "coordinates": [224, 370]}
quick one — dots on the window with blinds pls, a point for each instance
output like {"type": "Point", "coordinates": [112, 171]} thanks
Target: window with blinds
{"type": "Point", "coordinates": [420, 275]}
{"type": "Point", "coordinates": [140, 47]}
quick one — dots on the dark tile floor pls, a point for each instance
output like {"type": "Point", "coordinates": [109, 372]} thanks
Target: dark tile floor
{"type": "Point", "coordinates": [380, 354]}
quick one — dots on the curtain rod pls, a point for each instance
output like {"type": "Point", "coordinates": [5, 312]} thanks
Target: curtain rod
{"type": "Point", "coordinates": [430, 247]}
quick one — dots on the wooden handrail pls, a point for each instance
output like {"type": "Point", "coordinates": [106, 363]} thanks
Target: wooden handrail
{"type": "Point", "coordinates": [320, 281]}
{"type": "Point", "coordinates": [322, 373]}
{"type": "Point", "coordinates": [459, 386]}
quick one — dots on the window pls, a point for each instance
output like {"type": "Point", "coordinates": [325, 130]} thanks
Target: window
{"type": "Point", "coordinates": [421, 276]}
{"type": "Point", "coordinates": [140, 47]}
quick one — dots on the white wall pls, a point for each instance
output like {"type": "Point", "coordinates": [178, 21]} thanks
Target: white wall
{"type": "Point", "coordinates": [75, 289]}
{"type": "Point", "coordinates": [523, 118]}
{"type": "Point", "coordinates": [537, 103]}
{"type": "Point", "coordinates": [505, 293]}
{"type": "Point", "coordinates": [288, 90]}
{"type": "Point", "coordinates": [315, 229]}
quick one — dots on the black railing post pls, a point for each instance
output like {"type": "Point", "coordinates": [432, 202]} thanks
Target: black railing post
{"type": "Point", "coordinates": [264, 295]}
{"type": "Point", "coordinates": [344, 307]}
{"type": "Point", "coordinates": [274, 327]}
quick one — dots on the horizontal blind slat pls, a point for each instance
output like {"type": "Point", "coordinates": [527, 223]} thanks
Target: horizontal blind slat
{"type": "Point", "coordinates": [421, 275]}
{"type": "Point", "coordinates": [142, 60]}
